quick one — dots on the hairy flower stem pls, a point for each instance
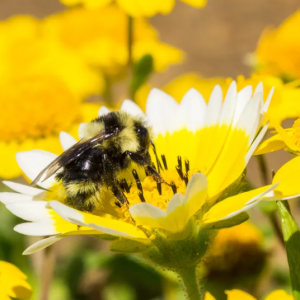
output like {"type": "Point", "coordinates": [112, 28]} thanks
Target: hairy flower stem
{"type": "Point", "coordinates": [47, 272]}
{"type": "Point", "coordinates": [191, 282]}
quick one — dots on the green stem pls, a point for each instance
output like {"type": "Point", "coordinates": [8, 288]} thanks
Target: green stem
{"type": "Point", "coordinates": [130, 54]}
{"type": "Point", "coordinates": [263, 168]}
{"type": "Point", "coordinates": [190, 282]}
{"type": "Point", "coordinates": [47, 272]}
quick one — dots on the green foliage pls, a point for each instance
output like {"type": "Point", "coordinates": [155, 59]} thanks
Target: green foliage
{"type": "Point", "coordinates": [291, 236]}
{"type": "Point", "coordinates": [141, 72]}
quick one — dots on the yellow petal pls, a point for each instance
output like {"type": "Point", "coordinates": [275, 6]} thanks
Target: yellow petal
{"type": "Point", "coordinates": [13, 282]}
{"type": "Point", "coordinates": [195, 3]}
{"type": "Point", "coordinates": [272, 144]}
{"type": "Point", "coordinates": [288, 178]}
{"type": "Point", "coordinates": [208, 296]}
{"type": "Point", "coordinates": [238, 295]}
{"type": "Point", "coordinates": [286, 138]}
{"type": "Point", "coordinates": [279, 295]}
{"type": "Point", "coordinates": [235, 205]}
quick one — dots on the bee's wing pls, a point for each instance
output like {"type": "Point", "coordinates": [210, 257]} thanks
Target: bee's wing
{"type": "Point", "coordinates": [71, 154]}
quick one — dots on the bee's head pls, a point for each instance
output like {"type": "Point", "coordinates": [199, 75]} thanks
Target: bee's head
{"type": "Point", "coordinates": [143, 135]}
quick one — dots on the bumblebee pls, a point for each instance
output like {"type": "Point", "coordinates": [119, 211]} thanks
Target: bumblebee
{"type": "Point", "coordinates": [109, 145]}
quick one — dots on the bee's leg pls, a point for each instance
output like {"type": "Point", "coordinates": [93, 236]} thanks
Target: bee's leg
{"type": "Point", "coordinates": [118, 194]}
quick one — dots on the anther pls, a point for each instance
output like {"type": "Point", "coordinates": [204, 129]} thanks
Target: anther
{"type": "Point", "coordinates": [141, 196]}
{"type": "Point", "coordinates": [174, 188]}
{"type": "Point", "coordinates": [158, 184]}
{"type": "Point", "coordinates": [187, 165]}
{"type": "Point", "coordinates": [186, 179]}
{"type": "Point", "coordinates": [179, 171]}
{"type": "Point", "coordinates": [137, 180]}
{"type": "Point", "coordinates": [179, 162]}
{"type": "Point", "coordinates": [159, 166]}
{"type": "Point", "coordinates": [163, 158]}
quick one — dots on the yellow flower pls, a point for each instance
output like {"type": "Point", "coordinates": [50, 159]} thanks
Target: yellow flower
{"type": "Point", "coordinates": [284, 104]}
{"type": "Point", "coordinates": [288, 138]}
{"type": "Point", "coordinates": [240, 295]}
{"type": "Point", "coordinates": [278, 50]}
{"type": "Point", "coordinates": [136, 8]}
{"type": "Point", "coordinates": [237, 250]}
{"type": "Point", "coordinates": [216, 139]}
{"type": "Point", "coordinates": [42, 86]}
{"type": "Point", "coordinates": [33, 112]}
{"type": "Point", "coordinates": [13, 283]}
{"type": "Point", "coordinates": [26, 51]}
{"type": "Point", "coordinates": [100, 37]}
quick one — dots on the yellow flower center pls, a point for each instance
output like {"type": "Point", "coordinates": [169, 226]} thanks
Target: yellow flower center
{"type": "Point", "coordinates": [35, 107]}
{"type": "Point", "coordinates": [296, 132]}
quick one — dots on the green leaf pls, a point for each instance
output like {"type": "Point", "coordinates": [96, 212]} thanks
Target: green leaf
{"type": "Point", "coordinates": [236, 220]}
{"type": "Point", "coordinates": [128, 246]}
{"type": "Point", "coordinates": [291, 236]}
{"type": "Point", "coordinates": [141, 72]}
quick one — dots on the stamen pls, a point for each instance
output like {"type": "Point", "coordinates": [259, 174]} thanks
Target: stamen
{"type": "Point", "coordinates": [179, 162]}
{"type": "Point", "coordinates": [137, 179]}
{"type": "Point", "coordinates": [186, 179]}
{"type": "Point", "coordinates": [179, 171]}
{"type": "Point", "coordinates": [141, 197]}
{"type": "Point", "coordinates": [174, 188]}
{"type": "Point", "coordinates": [187, 165]}
{"type": "Point", "coordinates": [163, 158]}
{"type": "Point", "coordinates": [124, 185]}
{"type": "Point", "coordinates": [159, 166]}
{"type": "Point", "coordinates": [158, 184]}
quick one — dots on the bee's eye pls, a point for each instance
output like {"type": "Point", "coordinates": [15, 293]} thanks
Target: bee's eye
{"type": "Point", "coordinates": [143, 136]}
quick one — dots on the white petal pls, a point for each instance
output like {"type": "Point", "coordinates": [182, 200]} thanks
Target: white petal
{"type": "Point", "coordinates": [42, 244]}
{"type": "Point", "coordinates": [103, 111]}
{"type": "Point", "coordinates": [30, 210]}
{"type": "Point", "coordinates": [197, 184]}
{"type": "Point", "coordinates": [7, 198]}
{"type": "Point", "coordinates": [259, 89]}
{"type": "Point", "coordinates": [214, 106]}
{"type": "Point", "coordinates": [146, 210]}
{"type": "Point", "coordinates": [33, 162]}
{"type": "Point", "coordinates": [161, 111]}
{"type": "Point", "coordinates": [67, 213]}
{"type": "Point", "coordinates": [193, 107]}
{"type": "Point", "coordinates": [66, 140]}
{"type": "Point", "coordinates": [243, 97]}
{"type": "Point", "coordinates": [81, 130]}
{"type": "Point", "coordinates": [107, 230]}
{"type": "Point", "coordinates": [132, 108]}
{"type": "Point", "coordinates": [24, 189]}
{"type": "Point", "coordinates": [176, 201]}
{"type": "Point", "coordinates": [36, 229]}
{"type": "Point", "coordinates": [256, 142]}
{"type": "Point", "coordinates": [268, 101]}
{"type": "Point", "coordinates": [228, 107]}
{"type": "Point", "coordinates": [249, 118]}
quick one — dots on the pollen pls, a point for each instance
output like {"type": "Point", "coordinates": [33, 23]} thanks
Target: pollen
{"type": "Point", "coordinates": [154, 192]}
{"type": "Point", "coordinates": [36, 107]}
{"type": "Point", "coordinates": [296, 132]}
